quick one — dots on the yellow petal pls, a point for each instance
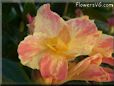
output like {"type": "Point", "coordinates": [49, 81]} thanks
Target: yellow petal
{"type": "Point", "coordinates": [64, 34]}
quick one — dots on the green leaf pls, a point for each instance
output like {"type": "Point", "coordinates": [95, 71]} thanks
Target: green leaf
{"type": "Point", "coordinates": [71, 10]}
{"type": "Point", "coordinates": [13, 73]}
{"type": "Point", "coordinates": [76, 82]}
{"type": "Point", "coordinates": [102, 26]}
{"type": "Point", "coordinates": [97, 13]}
{"type": "Point", "coordinates": [29, 8]}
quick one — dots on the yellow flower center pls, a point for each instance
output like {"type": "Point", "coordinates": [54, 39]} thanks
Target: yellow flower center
{"type": "Point", "coordinates": [56, 44]}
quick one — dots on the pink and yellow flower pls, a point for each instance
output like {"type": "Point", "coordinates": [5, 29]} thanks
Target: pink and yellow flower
{"type": "Point", "coordinates": [55, 43]}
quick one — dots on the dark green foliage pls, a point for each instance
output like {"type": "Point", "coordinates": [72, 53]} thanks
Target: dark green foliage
{"type": "Point", "coordinates": [13, 73]}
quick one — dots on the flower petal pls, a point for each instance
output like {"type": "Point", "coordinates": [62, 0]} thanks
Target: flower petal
{"type": "Point", "coordinates": [84, 64]}
{"type": "Point", "coordinates": [82, 26]}
{"type": "Point", "coordinates": [109, 60]}
{"type": "Point", "coordinates": [105, 46]}
{"type": "Point", "coordinates": [91, 71]}
{"type": "Point", "coordinates": [28, 51]}
{"type": "Point", "coordinates": [64, 34]}
{"type": "Point", "coordinates": [94, 73]}
{"type": "Point", "coordinates": [83, 31]}
{"type": "Point", "coordinates": [111, 73]}
{"type": "Point", "coordinates": [53, 66]}
{"type": "Point", "coordinates": [47, 21]}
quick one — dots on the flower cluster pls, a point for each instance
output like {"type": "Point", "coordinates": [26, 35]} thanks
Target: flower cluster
{"type": "Point", "coordinates": [55, 43]}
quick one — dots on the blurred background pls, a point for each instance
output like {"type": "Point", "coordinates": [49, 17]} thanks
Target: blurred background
{"type": "Point", "coordinates": [14, 29]}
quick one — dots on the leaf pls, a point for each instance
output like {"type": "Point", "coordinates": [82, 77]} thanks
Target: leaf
{"type": "Point", "coordinates": [76, 82]}
{"type": "Point", "coordinates": [58, 8]}
{"type": "Point", "coordinates": [12, 73]}
{"type": "Point", "coordinates": [29, 8]}
{"type": "Point", "coordinates": [71, 10]}
{"type": "Point", "coordinates": [97, 13]}
{"type": "Point", "coordinates": [102, 26]}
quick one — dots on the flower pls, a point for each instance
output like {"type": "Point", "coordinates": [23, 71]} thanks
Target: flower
{"type": "Point", "coordinates": [31, 23]}
{"type": "Point", "coordinates": [90, 70]}
{"type": "Point", "coordinates": [110, 22]}
{"type": "Point", "coordinates": [78, 12]}
{"type": "Point", "coordinates": [55, 43]}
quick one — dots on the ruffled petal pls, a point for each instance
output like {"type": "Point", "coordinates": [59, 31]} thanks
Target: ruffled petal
{"type": "Point", "coordinates": [52, 66]}
{"type": "Point", "coordinates": [83, 31]}
{"type": "Point", "coordinates": [110, 72]}
{"type": "Point", "coordinates": [29, 51]}
{"type": "Point", "coordinates": [82, 26]}
{"type": "Point", "coordinates": [47, 21]}
{"type": "Point", "coordinates": [78, 68]}
{"type": "Point", "coordinates": [94, 73]}
{"type": "Point", "coordinates": [89, 69]}
{"type": "Point", "coordinates": [105, 46]}
{"type": "Point", "coordinates": [89, 72]}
